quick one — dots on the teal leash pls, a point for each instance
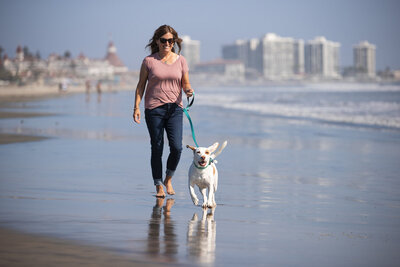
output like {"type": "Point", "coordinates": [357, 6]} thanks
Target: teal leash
{"type": "Point", "coordinates": [186, 111]}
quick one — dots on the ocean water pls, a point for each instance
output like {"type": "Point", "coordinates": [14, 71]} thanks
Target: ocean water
{"type": "Point", "coordinates": [354, 104]}
{"type": "Point", "coordinates": [310, 177]}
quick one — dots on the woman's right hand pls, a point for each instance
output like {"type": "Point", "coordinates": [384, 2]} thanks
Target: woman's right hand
{"type": "Point", "coordinates": [136, 115]}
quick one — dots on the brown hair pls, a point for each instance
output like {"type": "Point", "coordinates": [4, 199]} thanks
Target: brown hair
{"type": "Point", "coordinates": [160, 32]}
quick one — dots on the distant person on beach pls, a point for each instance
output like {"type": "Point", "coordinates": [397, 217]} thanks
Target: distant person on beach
{"type": "Point", "coordinates": [166, 73]}
{"type": "Point", "coordinates": [63, 86]}
{"type": "Point", "coordinates": [88, 85]}
{"type": "Point", "coordinates": [98, 87]}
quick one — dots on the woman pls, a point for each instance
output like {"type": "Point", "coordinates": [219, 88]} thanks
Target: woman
{"type": "Point", "coordinates": [166, 74]}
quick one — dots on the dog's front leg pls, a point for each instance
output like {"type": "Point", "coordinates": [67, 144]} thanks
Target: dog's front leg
{"type": "Point", "coordinates": [192, 224]}
{"type": "Point", "coordinates": [211, 197]}
{"type": "Point", "coordinates": [204, 193]}
{"type": "Point", "coordinates": [193, 194]}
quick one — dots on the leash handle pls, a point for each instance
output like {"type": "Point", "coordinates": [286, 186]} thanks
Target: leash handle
{"type": "Point", "coordinates": [190, 103]}
{"type": "Point", "coordinates": [186, 111]}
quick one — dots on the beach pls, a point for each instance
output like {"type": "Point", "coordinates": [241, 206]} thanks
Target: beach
{"type": "Point", "coordinates": [309, 178]}
{"type": "Point", "coordinates": [22, 249]}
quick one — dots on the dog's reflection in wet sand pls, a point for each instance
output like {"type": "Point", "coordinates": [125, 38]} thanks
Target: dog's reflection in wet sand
{"type": "Point", "coordinates": [201, 237]}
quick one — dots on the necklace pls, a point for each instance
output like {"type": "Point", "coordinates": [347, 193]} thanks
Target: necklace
{"type": "Point", "coordinates": [165, 59]}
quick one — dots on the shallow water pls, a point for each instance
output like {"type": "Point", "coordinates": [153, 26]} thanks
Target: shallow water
{"type": "Point", "coordinates": [293, 190]}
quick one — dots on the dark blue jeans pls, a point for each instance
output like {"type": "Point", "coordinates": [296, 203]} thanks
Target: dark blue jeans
{"type": "Point", "coordinates": [167, 117]}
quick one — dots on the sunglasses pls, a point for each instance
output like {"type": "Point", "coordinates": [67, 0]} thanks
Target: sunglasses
{"type": "Point", "coordinates": [170, 40]}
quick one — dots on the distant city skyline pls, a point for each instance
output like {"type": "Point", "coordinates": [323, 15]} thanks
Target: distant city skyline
{"type": "Point", "coordinates": [88, 26]}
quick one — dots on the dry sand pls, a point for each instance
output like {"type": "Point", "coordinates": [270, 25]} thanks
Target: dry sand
{"type": "Point", "coordinates": [35, 90]}
{"type": "Point", "coordinates": [12, 92]}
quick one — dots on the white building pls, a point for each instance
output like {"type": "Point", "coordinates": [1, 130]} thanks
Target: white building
{"type": "Point", "coordinates": [246, 51]}
{"type": "Point", "coordinates": [190, 50]}
{"type": "Point", "coordinates": [236, 51]}
{"type": "Point", "coordinates": [298, 67]}
{"type": "Point", "coordinates": [282, 57]}
{"type": "Point", "coordinates": [272, 56]}
{"type": "Point", "coordinates": [322, 58]}
{"type": "Point", "coordinates": [364, 59]}
{"type": "Point", "coordinates": [21, 65]}
{"type": "Point", "coordinates": [229, 69]}
{"type": "Point", "coordinates": [57, 66]}
{"type": "Point", "coordinates": [254, 59]}
{"type": "Point", "coordinates": [92, 68]}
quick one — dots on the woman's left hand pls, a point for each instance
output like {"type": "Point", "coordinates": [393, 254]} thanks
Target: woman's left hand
{"type": "Point", "coordinates": [189, 92]}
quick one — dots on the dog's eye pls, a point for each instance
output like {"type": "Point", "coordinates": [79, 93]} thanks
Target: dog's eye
{"type": "Point", "coordinates": [198, 152]}
{"type": "Point", "coordinates": [207, 152]}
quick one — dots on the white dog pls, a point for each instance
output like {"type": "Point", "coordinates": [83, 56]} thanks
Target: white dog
{"type": "Point", "coordinates": [204, 173]}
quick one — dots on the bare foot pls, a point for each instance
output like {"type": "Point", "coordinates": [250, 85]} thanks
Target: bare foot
{"type": "Point", "coordinates": [169, 204]}
{"type": "Point", "coordinates": [160, 191]}
{"type": "Point", "coordinates": [159, 202]}
{"type": "Point", "coordinates": [168, 185]}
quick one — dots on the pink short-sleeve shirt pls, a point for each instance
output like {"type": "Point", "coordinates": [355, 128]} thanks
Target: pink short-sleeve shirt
{"type": "Point", "coordinates": [164, 81]}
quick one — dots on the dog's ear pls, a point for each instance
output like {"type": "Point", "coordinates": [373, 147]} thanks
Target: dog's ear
{"type": "Point", "coordinates": [213, 147]}
{"type": "Point", "coordinates": [191, 147]}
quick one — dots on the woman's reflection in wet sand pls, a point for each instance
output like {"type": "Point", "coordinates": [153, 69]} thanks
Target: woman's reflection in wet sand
{"type": "Point", "coordinates": [155, 243]}
{"type": "Point", "coordinates": [201, 237]}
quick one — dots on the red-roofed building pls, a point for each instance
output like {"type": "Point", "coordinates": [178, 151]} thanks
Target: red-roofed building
{"type": "Point", "coordinates": [114, 60]}
{"type": "Point", "coordinates": [20, 53]}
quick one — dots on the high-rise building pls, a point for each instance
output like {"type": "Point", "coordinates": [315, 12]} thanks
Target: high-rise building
{"type": "Point", "coordinates": [322, 58]}
{"type": "Point", "coordinates": [246, 51]}
{"type": "Point", "coordinates": [272, 56]}
{"type": "Point", "coordinates": [190, 50]}
{"type": "Point", "coordinates": [298, 67]}
{"type": "Point", "coordinates": [236, 51]}
{"type": "Point", "coordinates": [282, 57]}
{"type": "Point", "coordinates": [364, 58]}
{"type": "Point", "coordinates": [254, 59]}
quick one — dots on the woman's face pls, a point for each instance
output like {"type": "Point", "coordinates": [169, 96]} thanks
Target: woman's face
{"type": "Point", "coordinates": [165, 42]}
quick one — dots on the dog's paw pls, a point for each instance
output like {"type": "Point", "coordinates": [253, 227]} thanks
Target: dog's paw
{"type": "Point", "coordinates": [195, 217]}
{"type": "Point", "coordinates": [205, 205]}
{"type": "Point", "coordinates": [211, 205]}
{"type": "Point", "coordinates": [195, 201]}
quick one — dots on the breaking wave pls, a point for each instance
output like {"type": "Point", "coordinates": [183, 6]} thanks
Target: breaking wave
{"type": "Point", "coordinates": [355, 104]}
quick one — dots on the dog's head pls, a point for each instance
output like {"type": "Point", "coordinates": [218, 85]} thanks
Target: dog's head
{"type": "Point", "coordinates": [201, 155]}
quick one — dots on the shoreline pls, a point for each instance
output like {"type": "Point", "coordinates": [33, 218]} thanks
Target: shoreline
{"type": "Point", "coordinates": [11, 93]}
{"type": "Point", "coordinates": [10, 138]}
{"type": "Point", "coordinates": [23, 249]}
{"type": "Point", "coordinates": [15, 93]}
{"type": "Point", "coordinates": [6, 139]}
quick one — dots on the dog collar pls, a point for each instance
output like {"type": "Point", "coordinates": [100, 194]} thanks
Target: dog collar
{"type": "Point", "coordinates": [202, 168]}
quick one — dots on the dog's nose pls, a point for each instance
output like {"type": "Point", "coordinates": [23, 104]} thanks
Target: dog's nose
{"type": "Point", "coordinates": [203, 157]}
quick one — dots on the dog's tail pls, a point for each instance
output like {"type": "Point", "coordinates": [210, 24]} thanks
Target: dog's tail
{"type": "Point", "coordinates": [219, 150]}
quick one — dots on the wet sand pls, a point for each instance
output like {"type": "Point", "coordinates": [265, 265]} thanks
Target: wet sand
{"type": "Point", "coordinates": [291, 193]}
{"type": "Point", "coordinates": [22, 249]}
{"type": "Point", "coordinates": [17, 138]}
{"type": "Point", "coordinates": [8, 138]}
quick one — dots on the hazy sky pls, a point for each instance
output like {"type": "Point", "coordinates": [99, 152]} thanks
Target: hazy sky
{"type": "Point", "coordinates": [87, 25]}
